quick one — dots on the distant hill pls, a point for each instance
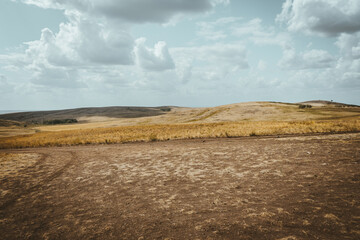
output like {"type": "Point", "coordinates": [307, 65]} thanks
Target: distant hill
{"type": "Point", "coordinates": [114, 112]}
{"type": "Point", "coordinates": [8, 123]}
{"type": "Point", "coordinates": [320, 103]}
{"type": "Point", "coordinates": [10, 111]}
{"type": "Point", "coordinates": [128, 116]}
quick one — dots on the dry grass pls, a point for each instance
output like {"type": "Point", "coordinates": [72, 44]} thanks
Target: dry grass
{"type": "Point", "coordinates": [12, 163]}
{"type": "Point", "coordinates": [203, 115]}
{"type": "Point", "coordinates": [14, 131]}
{"type": "Point", "coordinates": [176, 131]}
{"type": "Point", "coordinates": [254, 111]}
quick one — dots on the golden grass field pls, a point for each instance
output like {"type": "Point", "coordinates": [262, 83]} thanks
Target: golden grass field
{"type": "Point", "coordinates": [245, 119]}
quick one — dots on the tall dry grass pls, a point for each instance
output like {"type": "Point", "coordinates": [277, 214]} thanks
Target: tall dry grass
{"type": "Point", "coordinates": [176, 131]}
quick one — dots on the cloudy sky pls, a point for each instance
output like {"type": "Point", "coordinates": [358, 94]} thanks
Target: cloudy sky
{"type": "Point", "coordinates": [72, 53]}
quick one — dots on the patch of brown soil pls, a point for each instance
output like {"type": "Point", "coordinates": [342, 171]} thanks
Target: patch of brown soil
{"type": "Point", "coordinates": [302, 187]}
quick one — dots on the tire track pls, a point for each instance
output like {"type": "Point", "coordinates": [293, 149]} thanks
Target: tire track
{"type": "Point", "coordinates": [38, 186]}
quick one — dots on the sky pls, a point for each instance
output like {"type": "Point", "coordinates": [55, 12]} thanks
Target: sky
{"type": "Point", "coordinates": [58, 54]}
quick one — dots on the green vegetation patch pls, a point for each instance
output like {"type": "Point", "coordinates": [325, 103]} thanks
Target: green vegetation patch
{"type": "Point", "coordinates": [60, 121]}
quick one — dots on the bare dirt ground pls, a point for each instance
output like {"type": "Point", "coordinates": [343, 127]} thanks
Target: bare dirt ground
{"type": "Point", "coordinates": [299, 187]}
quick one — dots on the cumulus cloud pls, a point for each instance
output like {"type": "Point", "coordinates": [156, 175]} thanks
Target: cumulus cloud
{"type": "Point", "coordinates": [105, 45]}
{"type": "Point", "coordinates": [331, 18]}
{"type": "Point", "coordinates": [349, 62]}
{"type": "Point", "coordinates": [317, 68]}
{"type": "Point", "coordinates": [324, 17]}
{"type": "Point", "coordinates": [349, 45]}
{"type": "Point", "coordinates": [97, 36]}
{"type": "Point", "coordinates": [83, 42]}
{"type": "Point", "coordinates": [138, 11]}
{"type": "Point", "coordinates": [153, 59]}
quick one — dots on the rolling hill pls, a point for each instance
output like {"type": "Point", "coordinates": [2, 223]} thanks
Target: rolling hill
{"type": "Point", "coordinates": [128, 124]}
{"type": "Point", "coordinates": [125, 116]}
{"type": "Point", "coordinates": [107, 117]}
{"type": "Point", "coordinates": [111, 112]}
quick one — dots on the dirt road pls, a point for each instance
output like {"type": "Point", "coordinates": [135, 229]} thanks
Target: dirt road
{"type": "Point", "coordinates": [300, 187]}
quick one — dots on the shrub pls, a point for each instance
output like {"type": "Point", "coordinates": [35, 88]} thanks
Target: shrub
{"type": "Point", "coordinates": [60, 121]}
{"type": "Point", "coordinates": [301, 106]}
{"type": "Point", "coordinates": [153, 137]}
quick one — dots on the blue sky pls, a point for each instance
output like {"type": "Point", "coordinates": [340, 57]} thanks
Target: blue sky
{"type": "Point", "coordinates": [73, 53]}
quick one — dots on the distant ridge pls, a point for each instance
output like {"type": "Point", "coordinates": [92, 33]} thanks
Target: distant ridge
{"type": "Point", "coordinates": [115, 112]}
{"type": "Point", "coordinates": [8, 123]}
{"type": "Point", "coordinates": [11, 111]}
{"type": "Point", "coordinates": [246, 111]}
{"type": "Point", "coordinates": [327, 103]}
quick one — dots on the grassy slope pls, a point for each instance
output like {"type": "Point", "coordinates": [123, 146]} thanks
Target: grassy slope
{"type": "Point", "coordinates": [115, 112]}
{"type": "Point", "coordinates": [243, 119]}
{"type": "Point", "coordinates": [256, 111]}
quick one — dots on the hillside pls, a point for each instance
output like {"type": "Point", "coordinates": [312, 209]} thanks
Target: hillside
{"type": "Point", "coordinates": [323, 103]}
{"type": "Point", "coordinates": [109, 117]}
{"type": "Point", "coordinates": [9, 123]}
{"type": "Point", "coordinates": [130, 116]}
{"type": "Point", "coordinates": [111, 112]}
{"type": "Point", "coordinates": [128, 124]}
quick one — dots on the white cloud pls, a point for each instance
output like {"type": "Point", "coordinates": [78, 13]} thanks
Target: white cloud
{"type": "Point", "coordinates": [184, 73]}
{"type": "Point", "coordinates": [156, 59]}
{"type": "Point", "coordinates": [253, 31]}
{"type": "Point", "coordinates": [216, 2]}
{"type": "Point", "coordinates": [57, 77]}
{"type": "Point", "coordinates": [324, 17]}
{"type": "Point", "coordinates": [253, 27]}
{"type": "Point", "coordinates": [350, 80]}
{"type": "Point", "coordinates": [318, 69]}
{"type": "Point", "coordinates": [97, 37]}
{"type": "Point", "coordinates": [215, 30]}
{"type": "Point", "coordinates": [254, 80]}
{"type": "Point", "coordinates": [95, 52]}
{"type": "Point", "coordinates": [203, 66]}
{"type": "Point", "coordinates": [259, 34]}
{"type": "Point", "coordinates": [349, 62]}
{"type": "Point", "coordinates": [349, 45]}
{"type": "Point", "coordinates": [318, 59]}
{"type": "Point", "coordinates": [207, 32]}
{"type": "Point", "coordinates": [218, 60]}
{"type": "Point", "coordinates": [215, 62]}
{"type": "Point", "coordinates": [83, 42]}
{"type": "Point", "coordinates": [138, 11]}
{"type": "Point", "coordinates": [312, 59]}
